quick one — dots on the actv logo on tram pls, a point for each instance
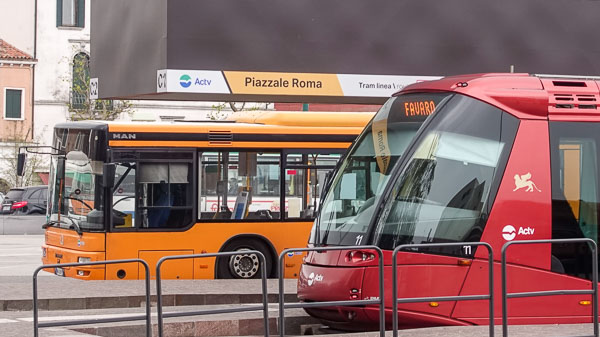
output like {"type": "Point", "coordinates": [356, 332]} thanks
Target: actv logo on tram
{"type": "Point", "coordinates": [509, 232]}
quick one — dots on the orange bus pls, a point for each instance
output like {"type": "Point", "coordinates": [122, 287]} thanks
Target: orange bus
{"type": "Point", "coordinates": [146, 190]}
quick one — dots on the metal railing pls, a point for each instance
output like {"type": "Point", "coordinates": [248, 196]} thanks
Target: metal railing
{"type": "Point", "coordinates": [264, 307]}
{"type": "Point", "coordinates": [489, 297]}
{"type": "Point", "coordinates": [37, 324]}
{"type": "Point", "coordinates": [593, 292]}
{"type": "Point", "coordinates": [282, 305]}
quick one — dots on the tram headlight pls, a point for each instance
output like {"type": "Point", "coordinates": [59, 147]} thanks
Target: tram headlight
{"type": "Point", "coordinates": [359, 256]}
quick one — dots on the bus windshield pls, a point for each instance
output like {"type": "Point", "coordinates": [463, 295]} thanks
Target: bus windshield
{"type": "Point", "coordinates": [365, 171]}
{"type": "Point", "coordinates": [75, 176]}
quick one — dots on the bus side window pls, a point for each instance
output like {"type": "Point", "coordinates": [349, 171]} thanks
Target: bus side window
{"type": "Point", "coordinates": [124, 195]}
{"type": "Point", "coordinates": [164, 195]}
{"type": "Point", "coordinates": [236, 186]}
{"type": "Point", "coordinates": [304, 178]}
{"type": "Point", "coordinates": [574, 195]}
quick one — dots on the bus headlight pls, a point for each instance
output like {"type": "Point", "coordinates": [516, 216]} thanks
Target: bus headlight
{"type": "Point", "coordinates": [82, 259]}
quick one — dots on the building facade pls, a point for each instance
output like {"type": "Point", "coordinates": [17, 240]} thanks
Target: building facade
{"type": "Point", "coordinates": [16, 108]}
{"type": "Point", "coordinates": [55, 36]}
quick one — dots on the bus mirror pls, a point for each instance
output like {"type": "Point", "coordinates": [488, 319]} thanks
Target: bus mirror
{"type": "Point", "coordinates": [21, 164]}
{"type": "Point", "coordinates": [60, 168]}
{"type": "Point", "coordinates": [108, 175]}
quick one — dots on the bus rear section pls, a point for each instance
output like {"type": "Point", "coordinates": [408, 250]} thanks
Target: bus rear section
{"type": "Point", "coordinates": [501, 158]}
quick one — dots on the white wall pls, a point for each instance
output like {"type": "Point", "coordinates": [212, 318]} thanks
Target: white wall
{"type": "Point", "coordinates": [17, 23]}
{"type": "Point", "coordinates": [56, 47]}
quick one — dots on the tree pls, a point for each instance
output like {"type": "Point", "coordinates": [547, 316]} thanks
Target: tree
{"type": "Point", "coordinates": [221, 112]}
{"type": "Point", "coordinates": [81, 106]}
{"type": "Point", "coordinates": [33, 164]}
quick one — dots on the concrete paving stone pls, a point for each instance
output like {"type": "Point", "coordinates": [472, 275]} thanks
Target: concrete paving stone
{"type": "Point", "coordinates": [255, 327]}
{"type": "Point", "coordinates": [217, 328]}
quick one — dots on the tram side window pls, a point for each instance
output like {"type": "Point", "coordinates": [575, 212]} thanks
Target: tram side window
{"type": "Point", "coordinates": [164, 195]}
{"type": "Point", "coordinates": [304, 178]}
{"type": "Point", "coordinates": [242, 185]}
{"type": "Point", "coordinates": [575, 199]}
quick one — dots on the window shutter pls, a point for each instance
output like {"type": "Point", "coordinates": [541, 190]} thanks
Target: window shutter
{"type": "Point", "coordinates": [59, 13]}
{"type": "Point", "coordinates": [13, 103]}
{"type": "Point", "coordinates": [80, 13]}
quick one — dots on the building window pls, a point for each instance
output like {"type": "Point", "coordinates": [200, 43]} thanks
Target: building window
{"type": "Point", "coordinates": [70, 13]}
{"type": "Point", "coordinates": [81, 80]}
{"type": "Point", "coordinates": [13, 103]}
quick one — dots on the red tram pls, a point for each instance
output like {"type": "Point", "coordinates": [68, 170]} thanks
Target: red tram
{"type": "Point", "coordinates": [501, 157]}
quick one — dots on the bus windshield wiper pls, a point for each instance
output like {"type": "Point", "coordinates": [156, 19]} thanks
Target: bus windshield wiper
{"type": "Point", "coordinates": [51, 223]}
{"type": "Point", "coordinates": [73, 225]}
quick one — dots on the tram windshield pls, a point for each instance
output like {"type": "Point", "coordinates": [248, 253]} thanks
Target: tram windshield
{"type": "Point", "coordinates": [445, 188]}
{"type": "Point", "coordinates": [365, 171]}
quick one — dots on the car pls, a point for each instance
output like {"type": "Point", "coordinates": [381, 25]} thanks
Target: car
{"type": "Point", "coordinates": [25, 200]}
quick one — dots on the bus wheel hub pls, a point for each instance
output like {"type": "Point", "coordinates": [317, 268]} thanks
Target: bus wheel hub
{"type": "Point", "coordinates": [244, 265]}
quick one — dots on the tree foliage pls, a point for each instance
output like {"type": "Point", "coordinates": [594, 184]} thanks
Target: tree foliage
{"type": "Point", "coordinates": [33, 165]}
{"type": "Point", "coordinates": [81, 106]}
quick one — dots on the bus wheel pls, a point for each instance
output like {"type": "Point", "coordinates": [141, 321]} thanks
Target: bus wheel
{"type": "Point", "coordinates": [243, 265]}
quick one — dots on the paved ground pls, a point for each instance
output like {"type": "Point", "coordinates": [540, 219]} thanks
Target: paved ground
{"type": "Point", "coordinates": [66, 299]}
{"type": "Point", "coordinates": [20, 255]}
{"type": "Point", "coordinates": [21, 224]}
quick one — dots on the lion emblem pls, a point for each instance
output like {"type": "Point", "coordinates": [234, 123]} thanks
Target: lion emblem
{"type": "Point", "coordinates": [523, 181]}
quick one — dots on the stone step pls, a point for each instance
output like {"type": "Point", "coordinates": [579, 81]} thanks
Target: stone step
{"type": "Point", "coordinates": [136, 301]}
{"type": "Point", "coordinates": [230, 324]}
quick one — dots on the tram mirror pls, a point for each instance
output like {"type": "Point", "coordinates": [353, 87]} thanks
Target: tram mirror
{"type": "Point", "coordinates": [348, 186]}
{"type": "Point", "coordinates": [247, 164]}
{"type": "Point", "coordinates": [108, 175]}
{"type": "Point", "coordinates": [21, 164]}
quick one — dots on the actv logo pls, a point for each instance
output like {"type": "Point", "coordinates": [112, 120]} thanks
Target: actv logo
{"type": "Point", "coordinates": [185, 81]}
{"type": "Point", "coordinates": [509, 232]}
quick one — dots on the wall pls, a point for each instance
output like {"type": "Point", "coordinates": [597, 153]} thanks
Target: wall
{"type": "Point", "coordinates": [19, 77]}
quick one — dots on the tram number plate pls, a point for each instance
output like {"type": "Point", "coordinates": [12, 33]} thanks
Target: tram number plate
{"type": "Point", "coordinates": [59, 271]}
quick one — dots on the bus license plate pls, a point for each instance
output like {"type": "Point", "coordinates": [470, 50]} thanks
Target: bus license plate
{"type": "Point", "coordinates": [6, 208]}
{"type": "Point", "coordinates": [59, 271]}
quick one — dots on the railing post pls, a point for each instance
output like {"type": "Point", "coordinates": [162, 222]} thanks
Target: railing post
{"type": "Point", "coordinates": [489, 297]}
{"type": "Point", "coordinates": [381, 300]}
{"type": "Point", "coordinates": [593, 292]}
{"type": "Point", "coordinates": [159, 314]}
{"type": "Point", "coordinates": [281, 318]}
{"type": "Point", "coordinates": [37, 325]}
{"type": "Point", "coordinates": [265, 302]}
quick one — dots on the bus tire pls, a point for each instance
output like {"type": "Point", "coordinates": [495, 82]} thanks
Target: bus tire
{"type": "Point", "coordinates": [243, 265]}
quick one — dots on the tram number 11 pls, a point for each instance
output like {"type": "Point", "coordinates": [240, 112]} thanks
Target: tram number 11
{"type": "Point", "coordinates": [467, 250]}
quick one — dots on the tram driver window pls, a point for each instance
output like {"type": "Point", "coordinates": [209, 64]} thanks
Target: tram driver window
{"type": "Point", "coordinates": [164, 195]}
